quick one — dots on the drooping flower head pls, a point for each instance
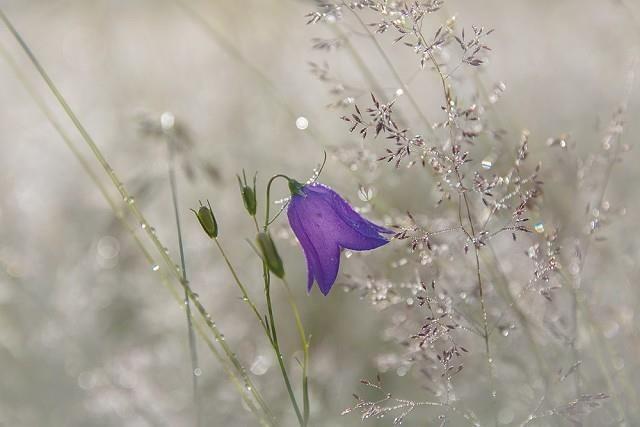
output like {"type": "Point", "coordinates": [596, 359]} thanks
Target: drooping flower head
{"type": "Point", "coordinates": [325, 223]}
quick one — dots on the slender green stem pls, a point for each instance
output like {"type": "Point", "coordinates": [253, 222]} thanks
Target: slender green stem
{"type": "Point", "coordinates": [276, 345]}
{"type": "Point", "coordinates": [305, 350]}
{"type": "Point", "coordinates": [268, 199]}
{"type": "Point", "coordinates": [304, 419]}
{"type": "Point", "coordinates": [243, 289]}
{"type": "Point", "coordinates": [193, 350]}
{"type": "Point", "coordinates": [271, 331]}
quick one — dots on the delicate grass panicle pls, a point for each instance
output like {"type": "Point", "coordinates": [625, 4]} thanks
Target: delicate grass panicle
{"type": "Point", "coordinates": [484, 281]}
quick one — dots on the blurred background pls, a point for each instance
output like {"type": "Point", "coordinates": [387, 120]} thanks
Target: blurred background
{"type": "Point", "coordinates": [89, 336]}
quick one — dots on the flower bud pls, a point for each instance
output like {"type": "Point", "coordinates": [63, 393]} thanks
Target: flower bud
{"type": "Point", "coordinates": [295, 187]}
{"type": "Point", "coordinates": [248, 194]}
{"type": "Point", "coordinates": [270, 254]}
{"type": "Point", "coordinates": [207, 220]}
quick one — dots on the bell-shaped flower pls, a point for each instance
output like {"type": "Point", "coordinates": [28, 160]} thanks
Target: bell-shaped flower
{"type": "Point", "coordinates": [325, 223]}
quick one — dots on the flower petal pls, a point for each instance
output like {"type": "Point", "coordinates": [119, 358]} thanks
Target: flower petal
{"type": "Point", "coordinates": [322, 253]}
{"type": "Point", "coordinates": [324, 223]}
{"type": "Point", "coordinates": [339, 221]}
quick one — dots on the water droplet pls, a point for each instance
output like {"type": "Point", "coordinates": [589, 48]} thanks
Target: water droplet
{"type": "Point", "coordinates": [505, 332]}
{"type": "Point", "coordinates": [156, 267]}
{"type": "Point", "coordinates": [505, 416]}
{"type": "Point", "coordinates": [302, 123]}
{"type": "Point", "coordinates": [143, 225]}
{"type": "Point", "coordinates": [167, 121]}
{"type": "Point", "coordinates": [618, 363]}
{"type": "Point", "coordinates": [399, 92]}
{"type": "Point", "coordinates": [486, 164]}
{"type": "Point", "coordinates": [539, 227]}
{"type": "Point", "coordinates": [108, 247]}
{"type": "Point", "coordinates": [260, 365]}
{"type": "Point", "coordinates": [197, 372]}
{"type": "Point", "coordinates": [130, 200]}
{"type": "Point", "coordinates": [347, 254]}
{"type": "Point", "coordinates": [574, 268]}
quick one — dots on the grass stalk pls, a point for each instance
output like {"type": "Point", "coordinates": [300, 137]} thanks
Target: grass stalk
{"type": "Point", "coordinates": [130, 203]}
{"type": "Point", "coordinates": [88, 169]}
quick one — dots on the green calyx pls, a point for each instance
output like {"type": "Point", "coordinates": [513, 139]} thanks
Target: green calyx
{"type": "Point", "coordinates": [248, 194]}
{"type": "Point", "coordinates": [270, 254]}
{"type": "Point", "coordinates": [207, 220]}
{"type": "Point", "coordinates": [295, 187]}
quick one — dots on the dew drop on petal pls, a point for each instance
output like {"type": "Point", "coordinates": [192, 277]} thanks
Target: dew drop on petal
{"type": "Point", "coordinates": [539, 227]}
{"type": "Point", "coordinates": [156, 267]}
{"type": "Point", "coordinates": [302, 123]}
{"type": "Point", "coordinates": [486, 164]}
{"type": "Point", "coordinates": [399, 92]}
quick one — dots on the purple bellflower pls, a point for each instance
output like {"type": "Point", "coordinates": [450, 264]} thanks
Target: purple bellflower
{"type": "Point", "coordinates": [325, 223]}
